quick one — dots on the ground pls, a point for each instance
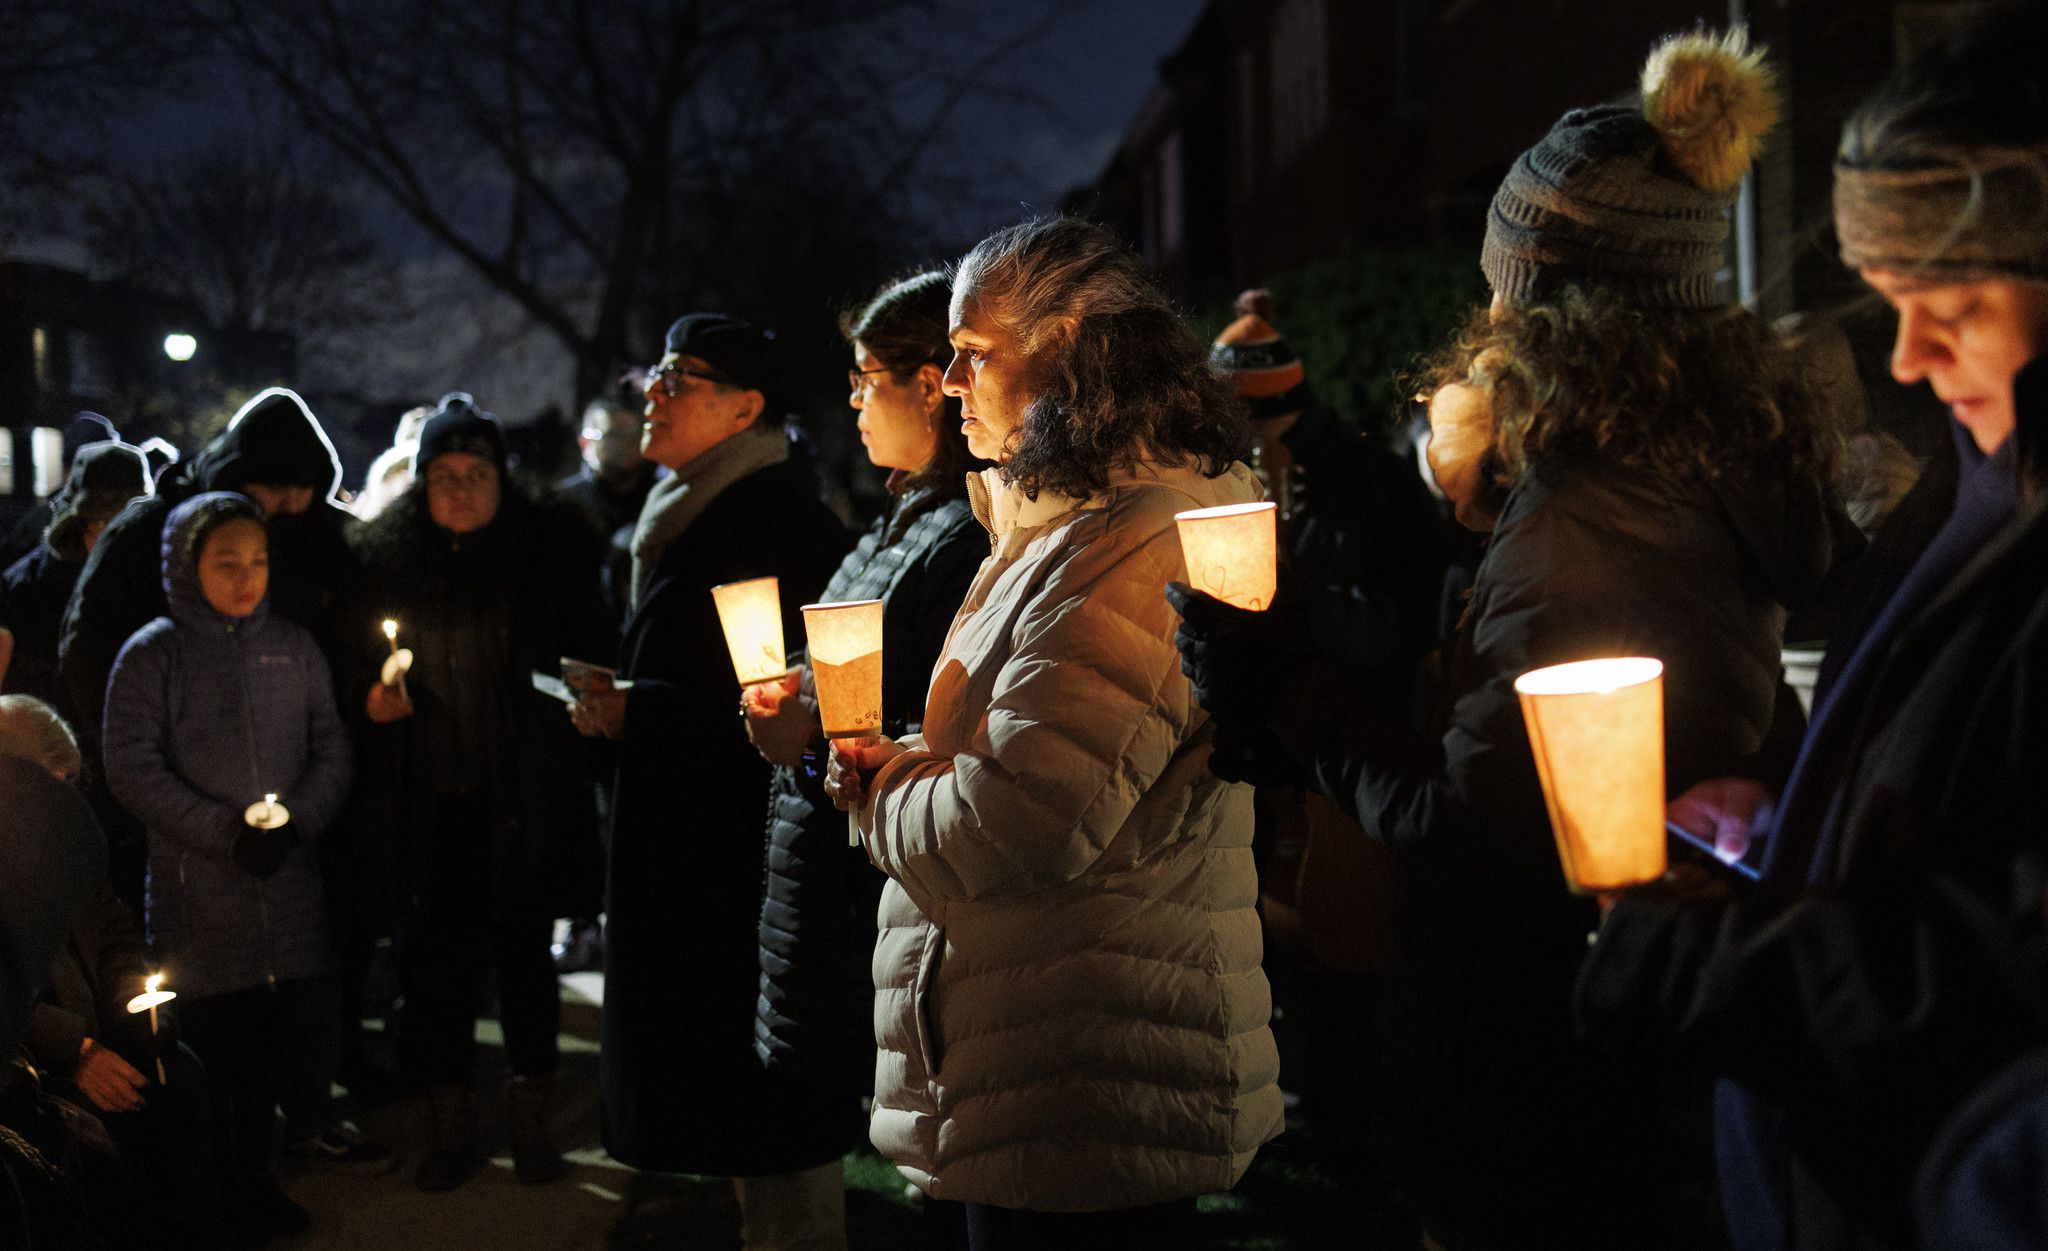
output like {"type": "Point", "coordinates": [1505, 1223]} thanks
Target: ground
{"type": "Point", "coordinates": [605, 1206]}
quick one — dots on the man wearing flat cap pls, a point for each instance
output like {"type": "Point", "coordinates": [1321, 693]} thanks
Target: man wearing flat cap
{"type": "Point", "coordinates": [740, 502]}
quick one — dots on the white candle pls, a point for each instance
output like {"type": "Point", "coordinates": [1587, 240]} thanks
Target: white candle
{"type": "Point", "coordinates": [152, 995]}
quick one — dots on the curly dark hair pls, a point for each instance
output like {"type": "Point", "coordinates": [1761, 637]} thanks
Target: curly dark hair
{"type": "Point", "coordinates": [1120, 377]}
{"type": "Point", "coordinates": [904, 325]}
{"type": "Point", "coordinates": [1689, 394]}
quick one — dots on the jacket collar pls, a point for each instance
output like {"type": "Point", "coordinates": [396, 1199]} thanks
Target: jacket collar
{"type": "Point", "coordinates": [1001, 506]}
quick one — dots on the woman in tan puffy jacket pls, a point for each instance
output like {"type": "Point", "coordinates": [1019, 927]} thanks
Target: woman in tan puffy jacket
{"type": "Point", "coordinates": [1070, 1011]}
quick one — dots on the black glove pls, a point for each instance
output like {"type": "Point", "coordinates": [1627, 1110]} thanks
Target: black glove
{"type": "Point", "coordinates": [1237, 660]}
{"type": "Point", "coordinates": [262, 852]}
{"type": "Point", "coordinates": [1259, 757]}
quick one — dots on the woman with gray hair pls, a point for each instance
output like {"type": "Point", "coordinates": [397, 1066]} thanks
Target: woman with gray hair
{"type": "Point", "coordinates": [1875, 1006]}
{"type": "Point", "coordinates": [1071, 1012]}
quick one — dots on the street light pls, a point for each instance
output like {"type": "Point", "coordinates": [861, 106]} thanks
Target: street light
{"type": "Point", "coordinates": [180, 347]}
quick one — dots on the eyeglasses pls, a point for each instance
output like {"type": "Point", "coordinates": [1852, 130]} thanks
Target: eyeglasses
{"type": "Point", "coordinates": [472, 480]}
{"type": "Point", "coordinates": [667, 377]}
{"type": "Point", "coordinates": [857, 379]}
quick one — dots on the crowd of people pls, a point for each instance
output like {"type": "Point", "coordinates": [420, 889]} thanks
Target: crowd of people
{"type": "Point", "coordinates": [1040, 939]}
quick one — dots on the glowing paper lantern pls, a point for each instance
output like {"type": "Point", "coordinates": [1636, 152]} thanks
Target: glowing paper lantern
{"type": "Point", "coordinates": [1231, 552]}
{"type": "Point", "coordinates": [846, 662]}
{"type": "Point", "coordinates": [751, 614]}
{"type": "Point", "coordinates": [1597, 728]}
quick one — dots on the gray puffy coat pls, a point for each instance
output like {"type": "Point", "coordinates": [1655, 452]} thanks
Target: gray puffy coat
{"type": "Point", "coordinates": [205, 715]}
{"type": "Point", "coordinates": [1070, 1008]}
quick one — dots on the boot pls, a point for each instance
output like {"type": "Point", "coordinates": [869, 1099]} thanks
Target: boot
{"type": "Point", "coordinates": [454, 1147]}
{"type": "Point", "coordinates": [534, 1157]}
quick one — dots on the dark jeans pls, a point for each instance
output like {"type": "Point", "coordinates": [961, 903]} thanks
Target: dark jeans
{"type": "Point", "coordinates": [453, 938]}
{"type": "Point", "coordinates": [264, 1048]}
{"type": "Point", "coordinates": [979, 1227]}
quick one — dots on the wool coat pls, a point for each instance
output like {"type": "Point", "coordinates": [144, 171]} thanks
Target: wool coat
{"type": "Point", "coordinates": [482, 613]}
{"type": "Point", "coordinates": [205, 715]}
{"type": "Point", "coordinates": [814, 1024]}
{"type": "Point", "coordinates": [1070, 1009]}
{"type": "Point", "coordinates": [681, 1082]}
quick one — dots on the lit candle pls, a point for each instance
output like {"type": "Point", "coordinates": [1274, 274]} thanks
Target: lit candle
{"type": "Point", "coordinates": [399, 662]}
{"type": "Point", "coordinates": [845, 642]}
{"type": "Point", "coordinates": [750, 613]}
{"type": "Point", "coordinates": [1232, 552]}
{"type": "Point", "coordinates": [151, 997]}
{"type": "Point", "coordinates": [1597, 730]}
{"type": "Point", "coordinates": [267, 815]}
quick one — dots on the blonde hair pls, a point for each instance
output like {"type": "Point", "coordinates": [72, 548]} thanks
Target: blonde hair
{"type": "Point", "coordinates": [32, 730]}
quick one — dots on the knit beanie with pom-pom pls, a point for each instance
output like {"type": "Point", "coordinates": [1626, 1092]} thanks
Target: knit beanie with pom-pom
{"type": "Point", "coordinates": [1634, 199]}
{"type": "Point", "coordinates": [1252, 356]}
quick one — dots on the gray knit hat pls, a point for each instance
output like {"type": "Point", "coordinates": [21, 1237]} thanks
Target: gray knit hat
{"type": "Point", "coordinates": [1634, 199]}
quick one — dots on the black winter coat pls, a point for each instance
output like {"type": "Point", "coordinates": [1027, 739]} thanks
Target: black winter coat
{"type": "Point", "coordinates": [1502, 1117]}
{"type": "Point", "coordinates": [121, 587]}
{"type": "Point", "coordinates": [34, 591]}
{"type": "Point", "coordinates": [1859, 1009]}
{"type": "Point", "coordinates": [814, 1024]}
{"type": "Point", "coordinates": [101, 967]}
{"type": "Point", "coordinates": [683, 1089]}
{"type": "Point", "coordinates": [481, 614]}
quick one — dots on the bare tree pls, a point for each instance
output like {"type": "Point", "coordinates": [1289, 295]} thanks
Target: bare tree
{"type": "Point", "coordinates": [605, 163]}
{"type": "Point", "coordinates": [261, 240]}
{"type": "Point", "coordinates": [64, 64]}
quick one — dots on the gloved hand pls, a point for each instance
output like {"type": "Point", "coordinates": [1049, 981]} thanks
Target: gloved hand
{"type": "Point", "coordinates": [262, 852]}
{"type": "Point", "coordinates": [1236, 659]}
{"type": "Point", "coordinates": [1257, 756]}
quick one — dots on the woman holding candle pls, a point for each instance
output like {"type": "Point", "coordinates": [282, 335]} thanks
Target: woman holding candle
{"type": "Point", "coordinates": [1072, 1018]}
{"type": "Point", "coordinates": [209, 710]}
{"type": "Point", "coordinates": [813, 1025]}
{"type": "Point", "coordinates": [1876, 1004]}
{"type": "Point", "coordinates": [1648, 461]}
{"type": "Point", "coordinates": [485, 793]}
{"type": "Point", "coordinates": [683, 1088]}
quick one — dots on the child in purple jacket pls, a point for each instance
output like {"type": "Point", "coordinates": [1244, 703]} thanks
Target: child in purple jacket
{"type": "Point", "coordinates": [222, 737]}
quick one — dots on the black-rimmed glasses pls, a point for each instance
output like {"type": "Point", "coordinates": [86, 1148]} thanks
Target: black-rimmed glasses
{"type": "Point", "coordinates": [669, 378]}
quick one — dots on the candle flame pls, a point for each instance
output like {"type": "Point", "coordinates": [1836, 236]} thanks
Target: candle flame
{"type": "Point", "coordinates": [270, 798]}
{"type": "Point", "coordinates": [390, 629]}
{"type": "Point", "coordinates": [153, 981]}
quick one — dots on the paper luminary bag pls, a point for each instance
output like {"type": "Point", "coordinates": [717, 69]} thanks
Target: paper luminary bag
{"type": "Point", "coordinates": [845, 643]}
{"type": "Point", "coordinates": [1232, 552]}
{"type": "Point", "coordinates": [1597, 728]}
{"type": "Point", "coordinates": [751, 614]}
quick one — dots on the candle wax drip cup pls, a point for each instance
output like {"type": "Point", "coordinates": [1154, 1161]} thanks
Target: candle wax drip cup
{"type": "Point", "coordinates": [1232, 552]}
{"type": "Point", "coordinates": [266, 814]}
{"type": "Point", "coordinates": [150, 999]}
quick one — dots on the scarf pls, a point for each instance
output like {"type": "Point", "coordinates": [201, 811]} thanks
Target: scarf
{"type": "Point", "coordinates": [677, 499]}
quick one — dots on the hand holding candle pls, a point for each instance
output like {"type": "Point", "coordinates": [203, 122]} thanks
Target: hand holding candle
{"type": "Point", "coordinates": [1597, 729]}
{"type": "Point", "coordinates": [751, 614]}
{"type": "Point", "coordinates": [1232, 552]}
{"type": "Point", "coordinates": [399, 662]}
{"type": "Point", "coordinates": [153, 996]}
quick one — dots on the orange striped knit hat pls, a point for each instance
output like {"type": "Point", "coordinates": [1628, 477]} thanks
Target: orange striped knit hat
{"type": "Point", "coordinates": [1251, 354]}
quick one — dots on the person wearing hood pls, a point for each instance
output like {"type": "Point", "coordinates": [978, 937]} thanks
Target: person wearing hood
{"type": "Point", "coordinates": [1876, 1005]}
{"type": "Point", "coordinates": [479, 787]}
{"type": "Point", "coordinates": [1650, 463]}
{"type": "Point", "coordinates": [1071, 1014]}
{"type": "Point", "coordinates": [221, 737]}
{"type": "Point", "coordinates": [681, 1083]}
{"type": "Point", "coordinates": [37, 588]}
{"type": "Point", "coordinates": [274, 452]}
